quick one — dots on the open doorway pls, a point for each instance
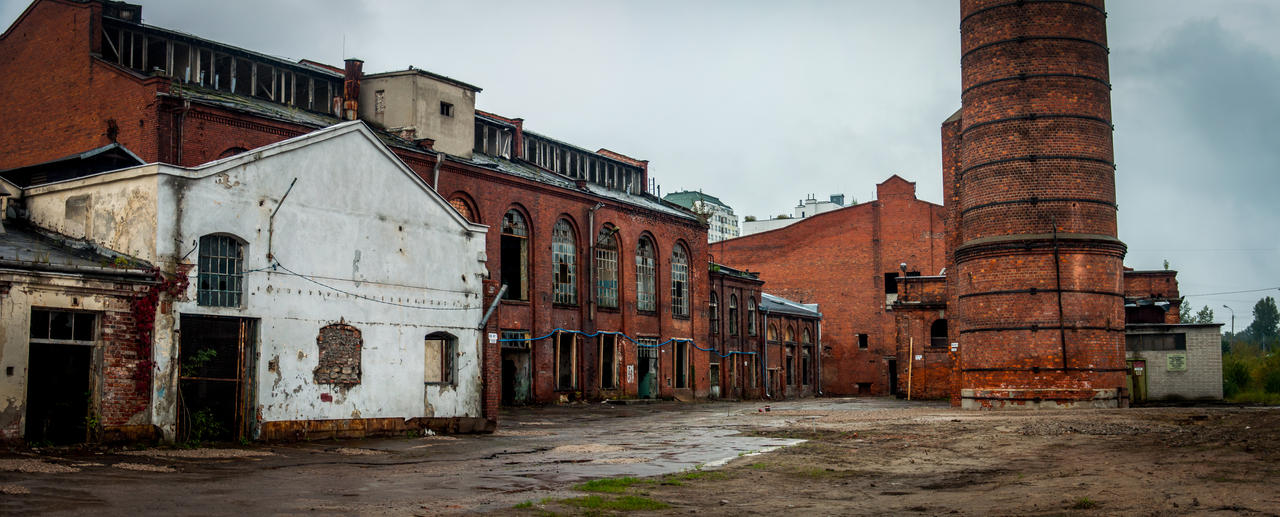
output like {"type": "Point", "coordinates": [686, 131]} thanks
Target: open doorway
{"type": "Point", "coordinates": [215, 401]}
{"type": "Point", "coordinates": [59, 364]}
{"type": "Point", "coordinates": [517, 370]}
{"type": "Point", "coordinates": [647, 369]}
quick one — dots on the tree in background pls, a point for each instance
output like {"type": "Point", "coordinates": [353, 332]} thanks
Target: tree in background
{"type": "Point", "coordinates": [1186, 314]}
{"type": "Point", "coordinates": [1265, 329]}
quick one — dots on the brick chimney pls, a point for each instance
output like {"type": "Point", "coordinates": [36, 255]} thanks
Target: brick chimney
{"type": "Point", "coordinates": [351, 89]}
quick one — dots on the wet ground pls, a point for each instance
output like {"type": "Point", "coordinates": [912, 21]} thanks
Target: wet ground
{"type": "Point", "coordinates": [537, 453]}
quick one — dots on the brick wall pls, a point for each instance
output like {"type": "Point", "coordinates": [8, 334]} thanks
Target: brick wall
{"type": "Point", "coordinates": [1037, 263]}
{"type": "Point", "coordinates": [122, 397]}
{"type": "Point", "coordinates": [742, 339]}
{"type": "Point", "coordinates": [838, 259]}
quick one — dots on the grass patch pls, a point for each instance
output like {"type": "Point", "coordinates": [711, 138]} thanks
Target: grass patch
{"type": "Point", "coordinates": [691, 475]}
{"type": "Point", "coordinates": [609, 485]}
{"type": "Point", "coordinates": [626, 503]}
{"type": "Point", "coordinates": [759, 465]}
{"type": "Point", "coordinates": [524, 505]}
{"type": "Point", "coordinates": [1084, 503]}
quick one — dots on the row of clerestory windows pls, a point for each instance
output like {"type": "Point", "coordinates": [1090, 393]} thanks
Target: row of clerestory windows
{"type": "Point", "coordinates": [732, 328]}
{"type": "Point", "coordinates": [514, 260]}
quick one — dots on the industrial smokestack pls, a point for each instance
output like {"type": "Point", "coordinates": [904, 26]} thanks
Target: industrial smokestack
{"type": "Point", "coordinates": [351, 89]}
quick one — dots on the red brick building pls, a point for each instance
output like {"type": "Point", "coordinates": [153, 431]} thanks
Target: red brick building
{"type": "Point", "coordinates": [735, 332]}
{"type": "Point", "coordinates": [584, 248]}
{"type": "Point", "coordinates": [848, 261]}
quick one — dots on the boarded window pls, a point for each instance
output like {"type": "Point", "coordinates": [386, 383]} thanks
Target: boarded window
{"type": "Point", "coordinates": [679, 281]}
{"type": "Point", "coordinates": [564, 259]}
{"type": "Point", "coordinates": [1155, 342]}
{"type": "Point", "coordinates": [220, 275]}
{"type": "Point", "coordinates": [607, 268]}
{"type": "Point", "coordinates": [340, 346]}
{"type": "Point", "coordinates": [515, 256]}
{"type": "Point", "coordinates": [463, 208]}
{"type": "Point", "coordinates": [646, 273]}
{"type": "Point", "coordinates": [440, 358]}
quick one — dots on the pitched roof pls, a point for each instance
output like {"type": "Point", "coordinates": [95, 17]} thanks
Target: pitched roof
{"type": "Point", "coordinates": [105, 158]}
{"type": "Point", "coordinates": [26, 247]}
{"type": "Point", "coordinates": [686, 198]}
{"type": "Point", "coordinates": [773, 303]}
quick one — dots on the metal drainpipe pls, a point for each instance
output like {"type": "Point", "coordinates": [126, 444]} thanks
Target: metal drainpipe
{"type": "Point", "coordinates": [818, 350]}
{"type": "Point", "coordinates": [764, 350]}
{"type": "Point", "coordinates": [591, 293]}
{"type": "Point", "coordinates": [435, 172]}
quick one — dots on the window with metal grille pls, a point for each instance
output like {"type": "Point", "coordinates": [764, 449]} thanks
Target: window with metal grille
{"type": "Point", "coordinates": [220, 271]}
{"type": "Point", "coordinates": [679, 281]}
{"type": "Point", "coordinates": [751, 316]}
{"type": "Point", "coordinates": [607, 268]}
{"type": "Point", "coordinates": [515, 256]}
{"type": "Point", "coordinates": [713, 307]}
{"type": "Point", "coordinates": [564, 264]}
{"type": "Point", "coordinates": [646, 272]}
{"type": "Point", "coordinates": [733, 314]}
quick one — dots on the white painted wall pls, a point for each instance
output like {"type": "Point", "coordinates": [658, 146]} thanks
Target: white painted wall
{"type": "Point", "coordinates": [357, 220]}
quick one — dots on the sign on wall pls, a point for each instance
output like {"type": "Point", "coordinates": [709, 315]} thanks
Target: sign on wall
{"type": "Point", "coordinates": [631, 373]}
{"type": "Point", "coordinates": [1176, 362]}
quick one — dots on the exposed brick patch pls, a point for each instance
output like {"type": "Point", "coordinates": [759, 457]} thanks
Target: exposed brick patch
{"type": "Point", "coordinates": [340, 348]}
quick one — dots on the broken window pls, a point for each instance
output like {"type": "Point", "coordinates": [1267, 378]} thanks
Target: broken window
{"type": "Point", "coordinates": [222, 72]}
{"type": "Point", "coordinates": [515, 256]}
{"type": "Point", "coordinates": [566, 361]}
{"type": "Point", "coordinates": [157, 51]}
{"type": "Point", "coordinates": [890, 288]}
{"type": "Point", "coordinates": [609, 358]}
{"type": "Point", "coordinates": [564, 261]}
{"type": "Point", "coordinates": [679, 281]}
{"type": "Point", "coordinates": [340, 347]}
{"type": "Point", "coordinates": [478, 144]}
{"type": "Point", "coordinates": [220, 273]}
{"type": "Point", "coordinates": [713, 308]}
{"type": "Point", "coordinates": [446, 109]}
{"type": "Point", "coordinates": [646, 273]}
{"type": "Point", "coordinates": [938, 333]}
{"type": "Point", "coordinates": [862, 341]}
{"type": "Point", "coordinates": [242, 76]}
{"type": "Point", "coordinates": [322, 97]}
{"type": "Point", "coordinates": [683, 372]}
{"type": "Point", "coordinates": [59, 394]}
{"type": "Point", "coordinates": [733, 314]}
{"type": "Point", "coordinates": [440, 354]}
{"type": "Point", "coordinates": [607, 268]}
{"type": "Point", "coordinates": [463, 207]}
{"type": "Point", "coordinates": [751, 316]}
{"type": "Point", "coordinates": [181, 59]}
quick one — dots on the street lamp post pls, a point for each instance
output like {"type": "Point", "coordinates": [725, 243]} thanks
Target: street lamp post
{"type": "Point", "coordinates": [1233, 323]}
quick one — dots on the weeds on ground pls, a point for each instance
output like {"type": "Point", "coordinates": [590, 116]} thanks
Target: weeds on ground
{"type": "Point", "coordinates": [759, 465]}
{"type": "Point", "coordinates": [610, 485]}
{"type": "Point", "coordinates": [1084, 503]}
{"type": "Point", "coordinates": [626, 503]}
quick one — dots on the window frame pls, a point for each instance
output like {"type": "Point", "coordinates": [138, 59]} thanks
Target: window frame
{"type": "Point", "coordinates": [560, 346]}
{"type": "Point", "coordinates": [679, 280]}
{"type": "Point", "coordinates": [607, 255]}
{"type": "Point", "coordinates": [733, 314]}
{"type": "Point", "coordinates": [751, 316]}
{"type": "Point", "coordinates": [523, 244]}
{"type": "Point", "coordinates": [646, 275]}
{"type": "Point", "coordinates": [713, 310]}
{"type": "Point", "coordinates": [75, 317]}
{"type": "Point", "coordinates": [448, 364]}
{"type": "Point", "coordinates": [232, 267]}
{"type": "Point", "coordinates": [564, 263]}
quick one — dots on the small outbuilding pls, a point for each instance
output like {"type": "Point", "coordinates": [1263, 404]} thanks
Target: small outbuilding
{"type": "Point", "coordinates": [1174, 361]}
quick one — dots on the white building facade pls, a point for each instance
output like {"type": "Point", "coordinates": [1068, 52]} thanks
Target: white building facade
{"type": "Point", "coordinates": [330, 291]}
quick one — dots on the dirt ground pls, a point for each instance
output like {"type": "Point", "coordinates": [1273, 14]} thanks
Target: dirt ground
{"type": "Point", "coordinates": [936, 461]}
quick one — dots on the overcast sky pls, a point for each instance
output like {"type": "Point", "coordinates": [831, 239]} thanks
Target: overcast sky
{"type": "Point", "coordinates": [763, 103]}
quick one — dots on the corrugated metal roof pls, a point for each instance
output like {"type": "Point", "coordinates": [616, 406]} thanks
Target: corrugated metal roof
{"type": "Point", "coordinates": [771, 303]}
{"type": "Point", "coordinates": [261, 107]}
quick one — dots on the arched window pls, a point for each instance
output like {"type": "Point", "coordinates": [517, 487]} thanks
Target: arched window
{"type": "Point", "coordinates": [646, 275]}
{"type": "Point", "coordinates": [733, 314]}
{"type": "Point", "coordinates": [679, 281]}
{"type": "Point", "coordinates": [938, 333]}
{"type": "Point", "coordinates": [463, 207]}
{"type": "Point", "coordinates": [607, 268]}
{"type": "Point", "coordinates": [515, 255]}
{"type": "Point", "coordinates": [440, 352]}
{"type": "Point", "coordinates": [773, 333]}
{"type": "Point", "coordinates": [713, 307]}
{"type": "Point", "coordinates": [565, 263]}
{"type": "Point", "coordinates": [751, 316]}
{"type": "Point", "coordinates": [791, 334]}
{"type": "Point", "coordinates": [231, 151]}
{"type": "Point", "coordinates": [806, 338]}
{"type": "Point", "coordinates": [220, 271]}
{"type": "Point", "coordinates": [806, 352]}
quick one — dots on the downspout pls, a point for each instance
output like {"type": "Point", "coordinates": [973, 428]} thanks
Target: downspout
{"type": "Point", "coordinates": [492, 307]}
{"type": "Point", "coordinates": [591, 298]}
{"type": "Point", "coordinates": [180, 120]}
{"type": "Point", "coordinates": [819, 351]}
{"type": "Point", "coordinates": [764, 350]}
{"type": "Point", "coordinates": [435, 172]}
{"type": "Point", "coordinates": [271, 222]}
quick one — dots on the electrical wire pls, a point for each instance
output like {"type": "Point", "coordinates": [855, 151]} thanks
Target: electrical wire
{"type": "Point", "coordinates": [277, 264]}
{"type": "Point", "coordinates": [1277, 288]}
